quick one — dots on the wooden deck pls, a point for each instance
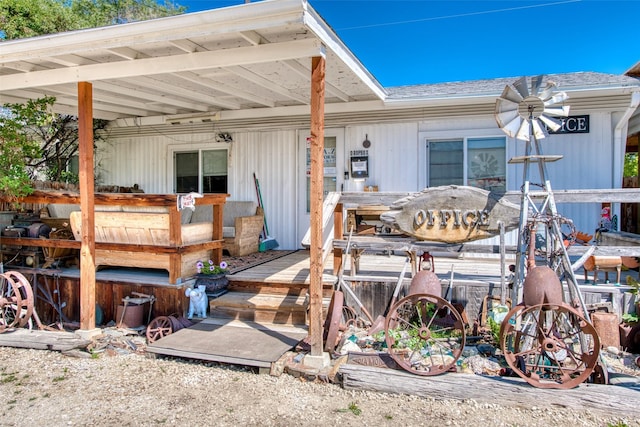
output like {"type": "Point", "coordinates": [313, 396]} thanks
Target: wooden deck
{"type": "Point", "coordinates": [235, 342]}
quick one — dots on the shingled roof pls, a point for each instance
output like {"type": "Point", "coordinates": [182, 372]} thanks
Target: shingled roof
{"type": "Point", "coordinates": [494, 87]}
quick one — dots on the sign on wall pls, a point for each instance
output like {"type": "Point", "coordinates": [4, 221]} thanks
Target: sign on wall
{"type": "Point", "coordinates": [572, 124]}
{"type": "Point", "coordinates": [452, 214]}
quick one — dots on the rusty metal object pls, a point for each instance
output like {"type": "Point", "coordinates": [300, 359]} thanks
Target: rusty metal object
{"type": "Point", "coordinates": [16, 300]}
{"type": "Point", "coordinates": [542, 286]}
{"type": "Point", "coordinates": [424, 334]}
{"type": "Point", "coordinates": [158, 328]}
{"type": "Point", "coordinates": [332, 322]}
{"type": "Point", "coordinates": [549, 346]}
{"type": "Point", "coordinates": [425, 282]}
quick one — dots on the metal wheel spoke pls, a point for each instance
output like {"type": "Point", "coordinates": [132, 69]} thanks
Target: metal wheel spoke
{"type": "Point", "coordinates": [424, 334]}
{"type": "Point", "coordinates": [561, 353]}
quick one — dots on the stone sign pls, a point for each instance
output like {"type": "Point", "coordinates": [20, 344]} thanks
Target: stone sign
{"type": "Point", "coordinates": [452, 214]}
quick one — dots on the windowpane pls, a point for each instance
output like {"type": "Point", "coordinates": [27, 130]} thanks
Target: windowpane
{"type": "Point", "coordinates": [446, 163]}
{"type": "Point", "coordinates": [186, 172]}
{"type": "Point", "coordinates": [213, 177]}
{"type": "Point", "coordinates": [486, 163]}
{"type": "Point", "coordinates": [214, 171]}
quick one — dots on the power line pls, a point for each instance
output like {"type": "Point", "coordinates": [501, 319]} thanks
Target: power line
{"type": "Point", "coordinates": [460, 15]}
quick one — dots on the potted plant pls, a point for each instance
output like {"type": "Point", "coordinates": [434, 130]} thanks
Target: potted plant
{"type": "Point", "coordinates": [213, 277]}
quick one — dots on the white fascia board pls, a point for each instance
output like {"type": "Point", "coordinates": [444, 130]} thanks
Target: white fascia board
{"type": "Point", "coordinates": [167, 64]}
{"type": "Point", "coordinates": [249, 16]}
{"type": "Point", "coordinates": [257, 113]}
{"type": "Point", "coordinates": [319, 27]}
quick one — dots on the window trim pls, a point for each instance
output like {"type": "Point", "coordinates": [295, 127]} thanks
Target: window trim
{"type": "Point", "coordinates": [463, 135]}
{"type": "Point", "coordinates": [199, 147]}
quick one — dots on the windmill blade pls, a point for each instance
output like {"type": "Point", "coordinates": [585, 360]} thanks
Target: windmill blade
{"type": "Point", "coordinates": [511, 128]}
{"type": "Point", "coordinates": [521, 86]}
{"type": "Point", "coordinates": [557, 111]}
{"type": "Point", "coordinates": [506, 111]}
{"type": "Point", "coordinates": [548, 89]}
{"type": "Point", "coordinates": [511, 95]}
{"type": "Point", "coordinates": [536, 82]}
{"type": "Point", "coordinates": [551, 123]}
{"type": "Point", "coordinates": [524, 133]}
{"type": "Point", "coordinates": [538, 131]}
{"type": "Point", "coordinates": [557, 98]}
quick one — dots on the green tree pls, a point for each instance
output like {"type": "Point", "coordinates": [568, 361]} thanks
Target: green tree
{"type": "Point", "coordinates": [29, 18]}
{"type": "Point", "coordinates": [98, 13]}
{"type": "Point", "coordinates": [18, 147]}
{"type": "Point", "coordinates": [631, 164]}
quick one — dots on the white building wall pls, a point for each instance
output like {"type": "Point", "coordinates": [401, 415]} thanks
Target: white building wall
{"type": "Point", "coordinates": [397, 163]}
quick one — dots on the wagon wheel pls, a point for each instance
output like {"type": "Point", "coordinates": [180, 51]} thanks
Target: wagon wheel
{"type": "Point", "coordinates": [332, 322]}
{"type": "Point", "coordinates": [16, 300]}
{"type": "Point", "coordinates": [549, 346]}
{"type": "Point", "coordinates": [424, 334]}
{"type": "Point", "coordinates": [158, 328]}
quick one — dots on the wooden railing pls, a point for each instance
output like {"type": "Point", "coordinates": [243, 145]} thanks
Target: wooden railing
{"type": "Point", "coordinates": [335, 203]}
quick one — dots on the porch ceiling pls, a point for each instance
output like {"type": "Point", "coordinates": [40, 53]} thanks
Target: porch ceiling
{"type": "Point", "coordinates": [189, 67]}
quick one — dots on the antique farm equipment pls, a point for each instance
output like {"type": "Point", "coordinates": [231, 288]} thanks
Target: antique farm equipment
{"type": "Point", "coordinates": [16, 300]}
{"type": "Point", "coordinates": [162, 326]}
{"type": "Point", "coordinates": [424, 333]}
{"type": "Point", "coordinates": [546, 340]}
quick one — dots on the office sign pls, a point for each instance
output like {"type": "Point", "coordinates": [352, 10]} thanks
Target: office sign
{"type": "Point", "coordinates": [572, 124]}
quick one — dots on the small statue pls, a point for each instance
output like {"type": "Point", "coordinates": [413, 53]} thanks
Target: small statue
{"type": "Point", "coordinates": [197, 302]}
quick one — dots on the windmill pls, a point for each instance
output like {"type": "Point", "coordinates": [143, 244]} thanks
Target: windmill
{"type": "Point", "coordinates": [545, 340]}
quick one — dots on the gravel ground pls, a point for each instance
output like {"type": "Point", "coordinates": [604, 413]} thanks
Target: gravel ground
{"type": "Point", "coordinates": [45, 388]}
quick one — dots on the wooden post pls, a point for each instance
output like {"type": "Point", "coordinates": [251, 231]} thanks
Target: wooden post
{"type": "Point", "coordinates": [316, 191]}
{"type": "Point", "coordinates": [338, 234]}
{"type": "Point", "coordinates": [86, 179]}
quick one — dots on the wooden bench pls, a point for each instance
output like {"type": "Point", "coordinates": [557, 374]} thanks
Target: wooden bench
{"type": "Point", "coordinates": [144, 237]}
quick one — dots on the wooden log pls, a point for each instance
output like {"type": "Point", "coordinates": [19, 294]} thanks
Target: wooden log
{"type": "Point", "coordinates": [507, 391]}
{"type": "Point", "coordinates": [42, 340]}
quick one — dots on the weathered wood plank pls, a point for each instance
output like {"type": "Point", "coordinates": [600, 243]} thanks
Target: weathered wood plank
{"type": "Point", "coordinates": [42, 340]}
{"type": "Point", "coordinates": [485, 389]}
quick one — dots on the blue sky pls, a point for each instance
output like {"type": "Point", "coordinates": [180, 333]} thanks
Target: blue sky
{"type": "Point", "coordinates": [428, 41]}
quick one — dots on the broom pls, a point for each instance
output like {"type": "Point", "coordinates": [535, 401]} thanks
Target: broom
{"type": "Point", "coordinates": [266, 242]}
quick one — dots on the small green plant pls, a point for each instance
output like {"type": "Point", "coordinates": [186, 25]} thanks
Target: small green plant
{"type": "Point", "coordinates": [618, 424]}
{"type": "Point", "coordinates": [630, 318]}
{"type": "Point", "coordinates": [8, 378]}
{"type": "Point", "coordinates": [495, 329]}
{"type": "Point", "coordinates": [355, 410]}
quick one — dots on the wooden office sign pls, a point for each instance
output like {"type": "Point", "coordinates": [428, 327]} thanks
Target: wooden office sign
{"type": "Point", "coordinates": [452, 214]}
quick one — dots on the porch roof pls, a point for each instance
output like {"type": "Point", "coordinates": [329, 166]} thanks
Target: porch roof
{"type": "Point", "coordinates": [189, 68]}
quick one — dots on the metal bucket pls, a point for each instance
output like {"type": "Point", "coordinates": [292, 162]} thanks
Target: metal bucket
{"type": "Point", "coordinates": [132, 317]}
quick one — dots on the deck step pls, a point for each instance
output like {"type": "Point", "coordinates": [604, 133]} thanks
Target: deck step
{"type": "Point", "coordinates": [260, 307]}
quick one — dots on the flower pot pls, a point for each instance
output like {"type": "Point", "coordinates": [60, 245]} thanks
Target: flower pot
{"type": "Point", "coordinates": [213, 283]}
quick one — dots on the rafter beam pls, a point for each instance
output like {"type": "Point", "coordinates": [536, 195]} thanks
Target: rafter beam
{"type": "Point", "coordinates": [304, 72]}
{"type": "Point", "coordinates": [167, 64]}
{"type": "Point", "coordinates": [261, 81]}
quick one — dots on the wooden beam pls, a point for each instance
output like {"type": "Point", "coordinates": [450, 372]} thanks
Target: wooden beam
{"type": "Point", "coordinates": [247, 55]}
{"type": "Point", "coordinates": [86, 178]}
{"type": "Point", "coordinates": [316, 192]}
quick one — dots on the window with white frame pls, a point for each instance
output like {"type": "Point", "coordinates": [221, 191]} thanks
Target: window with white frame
{"type": "Point", "coordinates": [202, 171]}
{"type": "Point", "coordinates": [477, 162]}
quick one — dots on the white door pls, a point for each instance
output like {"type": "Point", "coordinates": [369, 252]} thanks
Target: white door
{"type": "Point", "coordinates": [334, 167]}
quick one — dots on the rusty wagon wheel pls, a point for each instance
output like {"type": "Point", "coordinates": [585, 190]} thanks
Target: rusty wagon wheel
{"type": "Point", "coordinates": [549, 346]}
{"type": "Point", "coordinates": [158, 328]}
{"type": "Point", "coordinates": [16, 300]}
{"type": "Point", "coordinates": [424, 334]}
